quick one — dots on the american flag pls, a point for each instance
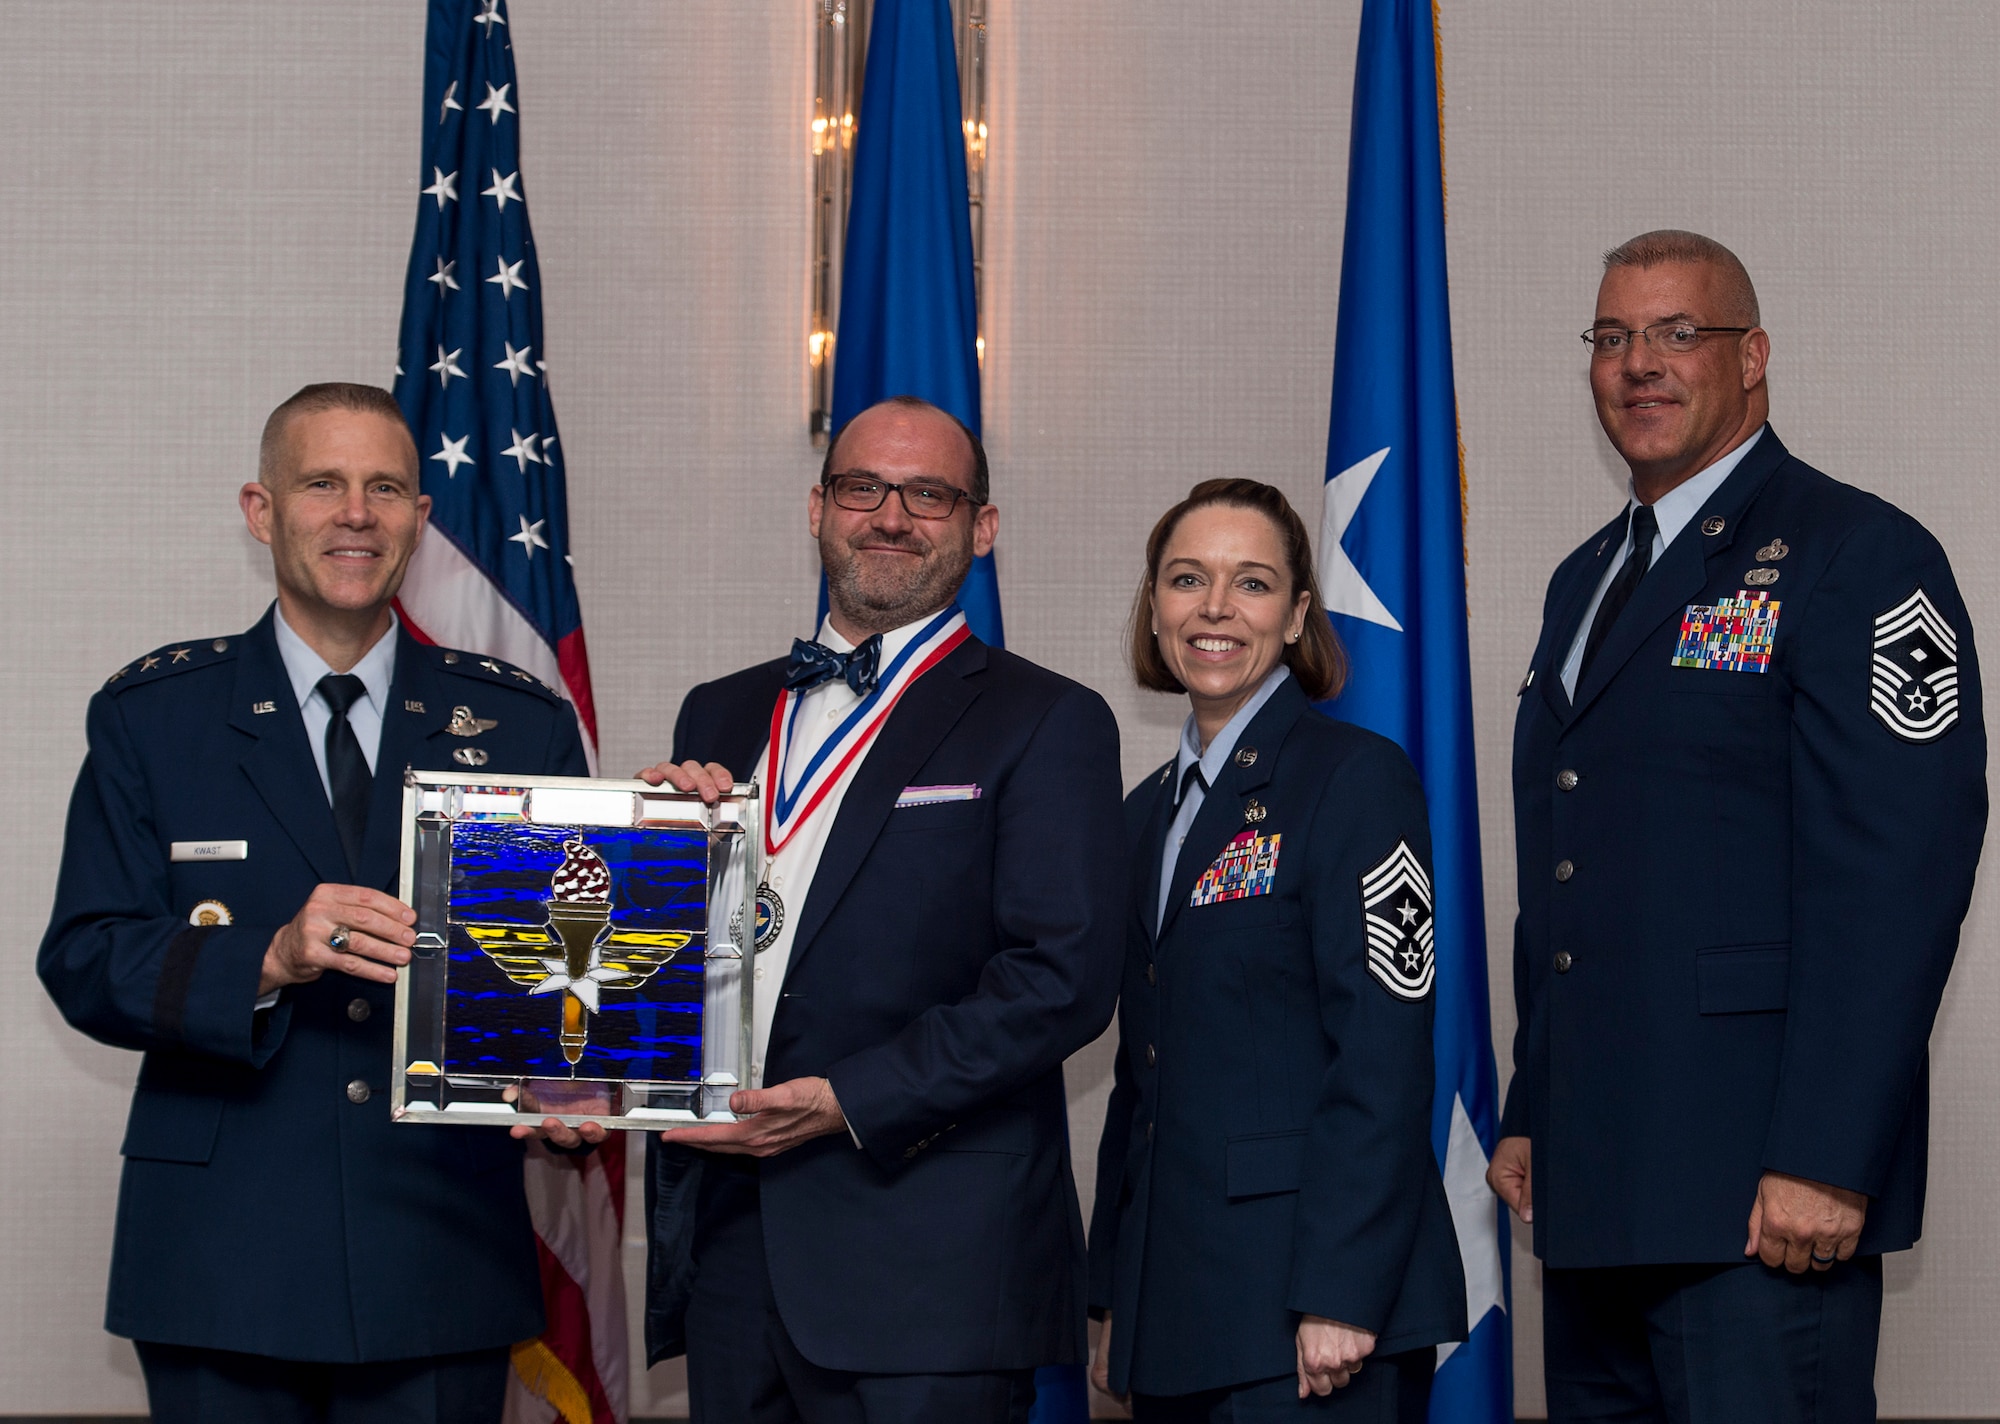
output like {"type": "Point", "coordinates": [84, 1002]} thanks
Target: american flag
{"type": "Point", "coordinates": [494, 577]}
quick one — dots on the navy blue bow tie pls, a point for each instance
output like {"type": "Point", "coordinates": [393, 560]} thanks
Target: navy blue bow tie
{"type": "Point", "coordinates": [814, 663]}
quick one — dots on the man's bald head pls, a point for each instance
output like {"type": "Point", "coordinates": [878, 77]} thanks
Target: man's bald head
{"type": "Point", "coordinates": [1737, 299]}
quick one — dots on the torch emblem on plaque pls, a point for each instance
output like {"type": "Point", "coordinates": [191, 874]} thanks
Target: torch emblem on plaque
{"type": "Point", "coordinates": [580, 951]}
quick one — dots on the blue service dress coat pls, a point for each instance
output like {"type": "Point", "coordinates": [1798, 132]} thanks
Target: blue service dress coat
{"type": "Point", "coordinates": [1741, 883]}
{"type": "Point", "coordinates": [948, 958]}
{"type": "Point", "coordinates": [1266, 1151]}
{"type": "Point", "coordinates": [268, 1204]}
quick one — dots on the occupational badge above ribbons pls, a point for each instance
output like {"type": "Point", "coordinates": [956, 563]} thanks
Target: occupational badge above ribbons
{"type": "Point", "coordinates": [580, 951]}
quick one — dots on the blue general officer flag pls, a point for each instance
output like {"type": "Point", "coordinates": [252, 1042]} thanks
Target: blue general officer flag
{"type": "Point", "coordinates": [1392, 567]}
{"type": "Point", "coordinates": [493, 573]}
{"type": "Point", "coordinates": [909, 318]}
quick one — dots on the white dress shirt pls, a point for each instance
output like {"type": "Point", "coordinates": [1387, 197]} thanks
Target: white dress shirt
{"type": "Point", "coordinates": [1673, 510]}
{"type": "Point", "coordinates": [790, 872]}
{"type": "Point", "coordinates": [305, 668]}
{"type": "Point", "coordinates": [1212, 762]}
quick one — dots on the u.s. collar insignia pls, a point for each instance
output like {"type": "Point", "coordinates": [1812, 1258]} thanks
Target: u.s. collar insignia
{"type": "Point", "coordinates": [470, 756]}
{"type": "Point", "coordinates": [1713, 525]}
{"type": "Point", "coordinates": [1396, 914]}
{"type": "Point", "coordinates": [1914, 681]}
{"type": "Point", "coordinates": [209, 913]}
{"type": "Point", "coordinates": [464, 724]}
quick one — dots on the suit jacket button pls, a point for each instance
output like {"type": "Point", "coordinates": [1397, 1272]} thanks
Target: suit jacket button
{"type": "Point", "coordinates": [1152, 1057]}
{"type": "Point", "coordinates": [1566, 780]}
{"type": "Point", "coordinates": [359, 1010]}
{"type": "Point", "coordinates": [1564, 869]}
{"type": "Point", "coordinates": [358, 1091]}
{"type": "Point", "coordinates": [1563, 961]}
{"type": "Point", "coordinates": [1152, 974]}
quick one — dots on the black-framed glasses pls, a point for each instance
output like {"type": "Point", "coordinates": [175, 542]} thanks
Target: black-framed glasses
{"type": "Point", "coordinates": [1675, 337]}
{"type": "Point", "coordinates": [922, 499]}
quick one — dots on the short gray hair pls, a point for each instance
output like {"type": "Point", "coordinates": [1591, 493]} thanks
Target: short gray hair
{"type": "Point", "coordinates": [312, 400]}
{"type": "Point", "coordinates": [1671, 244]}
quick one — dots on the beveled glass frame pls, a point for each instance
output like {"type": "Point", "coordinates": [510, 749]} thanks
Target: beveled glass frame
{"type": "Point", "coordinates": [565, 927]}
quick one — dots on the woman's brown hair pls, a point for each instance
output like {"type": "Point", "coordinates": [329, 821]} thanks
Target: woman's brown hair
{"type": "Point", "coordinates": [1317, 660]}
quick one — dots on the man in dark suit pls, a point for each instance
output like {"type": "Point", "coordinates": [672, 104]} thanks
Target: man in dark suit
{"type": "Point", "coordinates": [892, 1232]}
{"type": "Point", "coordinates": [1749, 789]}
{"type": "Point", "coordinates": [284, 1252]}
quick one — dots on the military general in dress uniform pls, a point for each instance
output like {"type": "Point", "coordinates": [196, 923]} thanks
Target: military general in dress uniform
{"type": "Point", "coordinates": [1749, 790]}
{"type": "Point", "coordinates": [283, 1251]}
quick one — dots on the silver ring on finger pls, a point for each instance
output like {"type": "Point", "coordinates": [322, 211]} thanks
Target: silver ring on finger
{"type": "Point", "coordinates": [1355, 1368]}
{"type": "Point", "coordinates": [337, 941]}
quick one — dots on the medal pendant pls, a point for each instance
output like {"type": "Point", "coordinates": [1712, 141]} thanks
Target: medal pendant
{"type": "Point", "coordinates": [770, 917]}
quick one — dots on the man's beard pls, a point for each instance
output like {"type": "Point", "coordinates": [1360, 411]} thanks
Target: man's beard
{"type": "Point", "coordinates": [878, 599]}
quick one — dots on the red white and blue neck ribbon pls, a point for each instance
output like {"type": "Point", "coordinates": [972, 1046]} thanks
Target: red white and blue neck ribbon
{"type": "Point", "coordinates": [789, 808]}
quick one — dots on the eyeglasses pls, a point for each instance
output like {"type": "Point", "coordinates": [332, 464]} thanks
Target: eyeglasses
{"type": "Point", "coordinates": [1675, 337]}
{"type": "Point", "coordinates": [922, 499]}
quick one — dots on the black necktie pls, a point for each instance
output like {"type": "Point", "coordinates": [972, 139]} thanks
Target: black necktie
{"type": "Point", "coordinates": [1189, 778]}
{"type": "Point", "coordinates": [814, 663]}
{"type": "Point", "coordinates": [1645, 526]}
{"type": "Point", "coordinates": [346, 769]}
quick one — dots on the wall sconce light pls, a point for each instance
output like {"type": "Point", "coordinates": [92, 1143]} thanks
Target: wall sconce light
{"type": "Point", "coordinates": [840, 52]}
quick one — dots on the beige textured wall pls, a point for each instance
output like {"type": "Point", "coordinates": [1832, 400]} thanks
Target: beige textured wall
{"type": "Point", "coordinates": [203, 205]}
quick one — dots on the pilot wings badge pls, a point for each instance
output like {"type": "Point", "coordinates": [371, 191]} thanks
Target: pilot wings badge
{"type": "Point", "coordinates": [580, 950]}
{"type": "Point", "coordinates": [464, 724]}
{"type": "Point", "coordinates": [1396, 914]}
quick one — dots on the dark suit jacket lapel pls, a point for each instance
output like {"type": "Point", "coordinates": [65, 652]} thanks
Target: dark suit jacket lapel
{"type": "Point", "coordinates": [279, 762]}
{"type": "Point", "coordinates": [1221, 813]}
{"type": "Point", "coordinates": [929, 709]}
{"type": "Point", "coordinates": [1682, 572]}
{"type": "Point", "coordinates": [1568, 616]}
{"type": "Point", "coordinates": [405, 743]}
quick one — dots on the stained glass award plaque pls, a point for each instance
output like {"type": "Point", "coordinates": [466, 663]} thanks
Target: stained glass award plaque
{"type": "Point", "coordinates": [580, 951]}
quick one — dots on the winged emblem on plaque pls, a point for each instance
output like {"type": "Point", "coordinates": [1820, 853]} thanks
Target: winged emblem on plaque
{"type": "Point", "coordinates": [580, 952]}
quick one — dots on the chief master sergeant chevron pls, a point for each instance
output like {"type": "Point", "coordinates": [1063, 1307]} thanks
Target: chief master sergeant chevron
{"type": "Point", "coordinates": [282, 1249]}
{"type": "Point", "coordinates": [1749, 798]}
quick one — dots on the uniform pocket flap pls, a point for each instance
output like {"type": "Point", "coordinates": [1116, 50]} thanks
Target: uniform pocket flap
{"type": "Point", "coordinates": [172, 1127]}
{"type": "Point", "coordinates": [1265, 1163]}
{"type": "Point", "coordinates": [1743, 979]}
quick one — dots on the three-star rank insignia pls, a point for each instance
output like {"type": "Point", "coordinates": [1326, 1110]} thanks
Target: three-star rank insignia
{"type": "Point", "coordinates": [1914, 678]}
{"type": "Point", "coordinates": [1396, 914]}
{"type": "Point", "coordinates": [464, 724]}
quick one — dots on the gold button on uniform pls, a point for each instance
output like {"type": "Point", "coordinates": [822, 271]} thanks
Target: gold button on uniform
{"type": "Point", "coordinates": [1564, 870]}
{"type": "Point", "coordinates": [359, 1010]}
{"type": "Point", "coordinates": [1563, 961]}
{"type": "Point", "coordinates": [358, 1092]}
{"type": "Point", "coordinates": [1566, 780]}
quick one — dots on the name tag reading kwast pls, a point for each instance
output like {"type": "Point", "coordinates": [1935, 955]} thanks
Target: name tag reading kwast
{"type": "Point", "coordinates": [209, 850]}
{"type": "Point", "coordinates": [934, 795]}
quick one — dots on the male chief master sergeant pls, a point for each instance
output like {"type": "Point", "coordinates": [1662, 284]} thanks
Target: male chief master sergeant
{"type": "Point", "coordinates": [1749, 792]}
{"type": "Point", "coordinates": [281, 1247]}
